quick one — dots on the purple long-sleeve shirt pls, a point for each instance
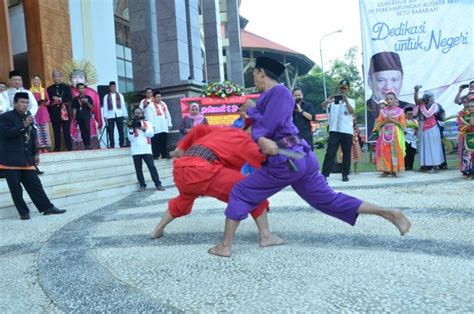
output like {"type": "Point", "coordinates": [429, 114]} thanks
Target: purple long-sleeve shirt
{"type": "Point", "coordinates": [272, 117]}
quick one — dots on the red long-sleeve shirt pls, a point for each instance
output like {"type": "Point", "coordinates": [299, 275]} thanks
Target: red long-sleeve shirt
{"type": "Point", "coordinates": [232, 146]}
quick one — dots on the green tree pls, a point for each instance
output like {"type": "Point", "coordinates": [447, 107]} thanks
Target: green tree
{"type": "Point", "coordinates": [346, 68]}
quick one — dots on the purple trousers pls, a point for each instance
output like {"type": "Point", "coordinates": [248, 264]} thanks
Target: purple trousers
{"type": "Point", "coordinates": [308, 182]}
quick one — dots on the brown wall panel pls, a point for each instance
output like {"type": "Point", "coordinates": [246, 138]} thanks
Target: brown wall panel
{"type": "Point", "coordinates": [6, 58]}
{"type": "Point", "coordinates": [48, 34]}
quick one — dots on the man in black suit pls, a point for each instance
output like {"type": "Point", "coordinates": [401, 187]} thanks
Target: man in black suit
{"type": "Point", "coordinates": [385, 75]}
{"type": "Point", "coordinates": [18, 157]}
{"type": "Point", "coordinates": [59, 110]}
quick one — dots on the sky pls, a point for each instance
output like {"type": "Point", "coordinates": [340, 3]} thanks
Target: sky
{"type": "Point", "coordinates": [300, 24]}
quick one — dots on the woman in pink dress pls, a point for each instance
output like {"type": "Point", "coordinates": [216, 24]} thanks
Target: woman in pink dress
{"type": "Point", "coordinates": [42, 120]}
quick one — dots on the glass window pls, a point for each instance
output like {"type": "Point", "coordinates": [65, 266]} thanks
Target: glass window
{"type": "Point", "coordinates": [119, 50]}
{"type": "Point", "coordinates": [130, 86]}
{"type": "Point", "coordinates": [122, 82]}
{"type": "Point", "coordinates": [120, 67]}
{"type": "Point", "coordinates": [12, 3]}
{"type": "Point", "coordinates": [128, 69]}
{"type": "Point", "coordinates": [128, 53]}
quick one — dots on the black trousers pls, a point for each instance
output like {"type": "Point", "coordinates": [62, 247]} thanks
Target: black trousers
{"type": "Point", "coordinates": [159, 145]}
{"type": "Point", "coordinates": [444, 164]}
{"type": "Point", "coordinates": [148, 158]}
{"type": "Point", "coordinates": [32, 184]}
{"type": "Point", "coordinates": [308, 137]}
{"type": "Point", "coordinates": [110, 131]}
{"type": "Point", "coordinates": [66, 127]}
{"type": "Point", "coordinates": [410, 153]}
{"type": "Point", "coordinates": [85, 126]}
{"type": "Point", "coordinates": [336, 139]}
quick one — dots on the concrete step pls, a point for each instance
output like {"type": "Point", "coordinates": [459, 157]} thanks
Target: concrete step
{"type": "Point", "coordinates": [73, 177]}
{"type": "Point", "coordinates": [61, 177]}
{"type": "Point", "coordinates": [93, 195]}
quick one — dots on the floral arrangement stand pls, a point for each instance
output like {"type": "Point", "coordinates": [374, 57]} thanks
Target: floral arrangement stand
{"type": "Point", "coordinates": [222, 90]}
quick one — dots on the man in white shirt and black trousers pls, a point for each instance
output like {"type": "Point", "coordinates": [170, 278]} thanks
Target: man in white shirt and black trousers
{"type": "Point", "coordinates": [161, 124]}
{"type": "Point", "coordinates": [140, 133]}
{"type": "Point", "coordinates": [341, 110]}
{"type": "Point", "coordinates": [114, 111]}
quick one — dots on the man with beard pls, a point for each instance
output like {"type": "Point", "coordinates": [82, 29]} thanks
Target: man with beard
{"type": "Point", "coordinates": [61, 97]}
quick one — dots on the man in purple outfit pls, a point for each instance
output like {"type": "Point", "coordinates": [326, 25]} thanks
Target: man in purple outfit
{"type": "Point", "coordinates": [272, 129]}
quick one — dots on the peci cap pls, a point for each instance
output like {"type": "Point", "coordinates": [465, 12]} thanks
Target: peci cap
{"type": "Point", "coordinates": [13, 73]}
{"type": "Point", "coordinates": [344, 83]}
{"type": "Point", "coordinates": [20, 95]}
{"type": "Point", "coordinates": [112, 83]}
{"type": "Point", "coordinates": [270, 64]}
{"type": "Point", "coordinates": [385, 61]}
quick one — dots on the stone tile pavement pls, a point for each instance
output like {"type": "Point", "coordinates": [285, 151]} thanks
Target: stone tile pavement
{"type": "Point", "coordinates": [98, 256]}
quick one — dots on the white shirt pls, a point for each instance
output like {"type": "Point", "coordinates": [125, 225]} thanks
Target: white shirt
{"type": "Point", "coordinates": [115, 112]}
{"type": "Point", "coordinates": [340, 119]}
{"type": "Point", "coordinates": [162, 121]}
{"type": "Point", "coordinates": [149, 111]}
{"type": "Point", "coordinates": [3, 106]}
{"type": "Point", "coordinates": [410, 133]}
{"type": "Point", "coordinates": [141, 143]}
{"type": "Point", "coordinates": [9, 95]}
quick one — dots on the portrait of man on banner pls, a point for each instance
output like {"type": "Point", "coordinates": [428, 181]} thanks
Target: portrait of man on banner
{"type": "Point", "coordinates": [385, 75]}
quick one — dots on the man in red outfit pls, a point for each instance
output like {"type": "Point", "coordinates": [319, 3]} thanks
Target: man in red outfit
{"type": "Point", "coordinates": [209, 163]}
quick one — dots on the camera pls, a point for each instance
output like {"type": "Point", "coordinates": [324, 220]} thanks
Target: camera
{"type": "Point", "coordinates": [464, 86]}
{"type": "Point", "coordinates": [135, 123]}
{"type": "Point", "coordinates": [337, 99]}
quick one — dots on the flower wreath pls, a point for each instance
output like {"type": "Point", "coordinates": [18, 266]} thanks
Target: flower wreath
{"type": "Point", "coordinates": [221, 89]}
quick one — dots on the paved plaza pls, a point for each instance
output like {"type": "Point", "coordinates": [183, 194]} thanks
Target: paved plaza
{"type": "Point", "coordinates": [98, 257]}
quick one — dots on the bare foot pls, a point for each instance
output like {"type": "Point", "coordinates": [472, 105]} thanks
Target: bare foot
{"type": "Point", "coordinates": [157, 233]}
{"type": "Point", "coordinates": [398, 218]}
{"type": "Point", "coordinates": [272, 240]}
{"type": "Point", "coordinates": [220, 250]}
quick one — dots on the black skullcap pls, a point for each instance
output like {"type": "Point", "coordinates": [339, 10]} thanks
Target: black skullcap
{"type": "Point", "coordinates": [408, 109]}
{"type": "Point", "coordinates": [344, 83]}
{"type": "Point", "coordinates": [13, 73]}
{"type": "Point", "coordinates": [112, 83]}
{"type": "Point", "coordinates": [385, 61]}
{"type": "Point", "coordinates": [270, 64]}
{"type": "Point", "coordinates": [20, 95]}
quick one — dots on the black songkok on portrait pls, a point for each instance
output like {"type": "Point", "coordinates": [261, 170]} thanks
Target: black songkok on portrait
{"type": "Point", "coordinates": [385, 61]}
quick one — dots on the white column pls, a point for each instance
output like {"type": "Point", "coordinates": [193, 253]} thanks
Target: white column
{"type": "Point", "coordinates": [93, 36]}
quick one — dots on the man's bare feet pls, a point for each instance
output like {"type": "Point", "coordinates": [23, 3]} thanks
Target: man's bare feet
{"type": "Point", "coordinates": [220, 250]}
{"type": "Point", "coordinates": [398, 218]}
{"type": "Point", "coordinates": [272, 240]}
{"type": "Point", "coordinates": [157, 233]}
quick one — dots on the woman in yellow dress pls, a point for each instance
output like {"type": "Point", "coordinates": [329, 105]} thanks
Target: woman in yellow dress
{"type": "Point", "coordinates": [390, 149]}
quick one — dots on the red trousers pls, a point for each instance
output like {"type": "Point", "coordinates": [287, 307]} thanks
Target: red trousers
{"type": "Point", "coordinates": [196, 177]}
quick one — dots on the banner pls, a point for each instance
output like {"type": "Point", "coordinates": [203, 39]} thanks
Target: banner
{"type": "Point", "coordinates": [416, 42]}
{"type": "Point", "coordinates": [218, 111]}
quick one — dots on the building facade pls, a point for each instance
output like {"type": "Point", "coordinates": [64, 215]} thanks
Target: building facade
{"type": "Point", "coordinates": [172, 45]}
